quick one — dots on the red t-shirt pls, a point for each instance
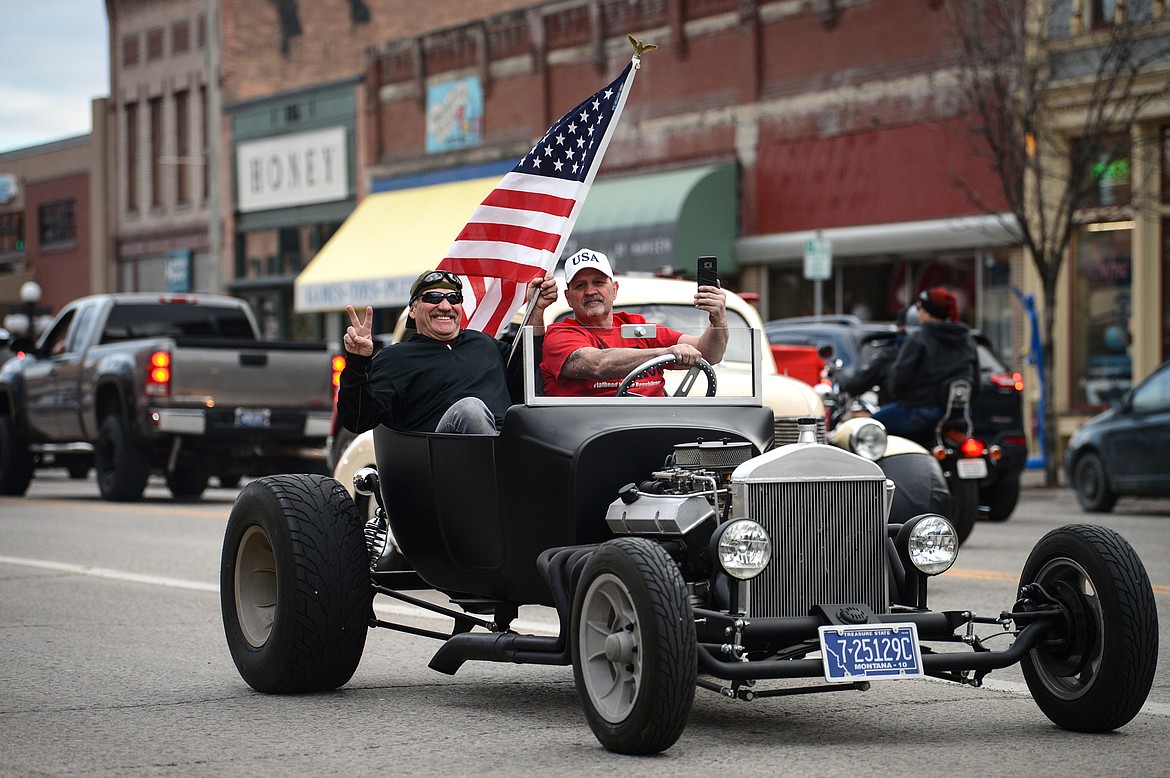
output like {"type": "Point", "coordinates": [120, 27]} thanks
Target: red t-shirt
{"type": "Point", "coordinates": [565, 337]}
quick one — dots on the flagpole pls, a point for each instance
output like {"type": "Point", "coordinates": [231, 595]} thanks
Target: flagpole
{"type": "Point", "coordinates": [639, 49]}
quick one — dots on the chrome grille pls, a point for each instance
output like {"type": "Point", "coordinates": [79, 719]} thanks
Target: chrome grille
{"type": "Point", "coordinates": [786, 430]}
{"type": "Point", "coordinates": [828, 544]}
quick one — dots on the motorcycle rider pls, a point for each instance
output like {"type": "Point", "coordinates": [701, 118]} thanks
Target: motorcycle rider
{"type": "Point", "coordinates": [939, 352]}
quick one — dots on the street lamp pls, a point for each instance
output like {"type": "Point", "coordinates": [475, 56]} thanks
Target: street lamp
{"type": "Point", "coordinates": [21, 323]}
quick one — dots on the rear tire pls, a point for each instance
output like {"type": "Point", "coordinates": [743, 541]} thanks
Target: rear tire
{"type": "Point", "coordinates": [964, 505]}
{"type": "Point", "coordinates": [1000, 499]}
{"type": "Point", "coordinates": [187, 483]}
{"type": "Point", "coordinates": [1091, 484]}
{"type": "Point", "coordinates": [1099, 678]}
{"type": "Point", "coordinates": [635, 659]}
{"type": "Point", "coordinates": [16, 462]}
{"type": "Point", "coordinates": [295, 584]}
{"type": "Point", "coordinates": [122, 463]}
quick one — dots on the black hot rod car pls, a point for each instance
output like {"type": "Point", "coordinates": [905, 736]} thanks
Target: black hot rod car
{"type": "Point", "coordinates": [679, 553]}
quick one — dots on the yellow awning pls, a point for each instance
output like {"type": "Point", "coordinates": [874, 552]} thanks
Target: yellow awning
{"type": "Point", "coordinates": [385, 243]}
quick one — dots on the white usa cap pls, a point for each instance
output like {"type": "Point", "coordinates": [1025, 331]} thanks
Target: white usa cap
{"type": "Point", "coordinates": [585, 259]}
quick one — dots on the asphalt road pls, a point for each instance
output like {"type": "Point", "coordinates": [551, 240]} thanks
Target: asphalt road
{"type": "Point", "coordinates": [114, 663]}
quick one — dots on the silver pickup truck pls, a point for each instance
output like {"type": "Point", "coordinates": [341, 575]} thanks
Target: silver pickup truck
{"type": "Point", "coordinates": [180, 385]}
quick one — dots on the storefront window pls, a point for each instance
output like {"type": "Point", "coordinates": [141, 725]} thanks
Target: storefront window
{"type": "Point", "coordinates": [1101, 313]}
{"type": "Point", "coordinates": [279, 255]}
{"type": "Point", "coordinates": [1165, 289]}
{"type": "Point", "coordinates": [1166, 164]}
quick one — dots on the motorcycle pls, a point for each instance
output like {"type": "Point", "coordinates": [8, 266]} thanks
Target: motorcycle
{"type": "Point", "coordinates": [921, 484]}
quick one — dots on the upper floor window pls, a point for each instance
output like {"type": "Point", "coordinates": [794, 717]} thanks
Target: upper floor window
{"type": "Point", "coordinates": [131, 157]}
{"type": "Point", "coordinates": [182, 146]}
{"type": "Point", "coordinates": [1106, 173]}
{"type": "Point", "coordinates": [57, 223]}
{"type": "Point", "coordinates": [11, 232]}
{"type": "Point", "coordinates": [130, 50]}
{"type": "Point", "coordinates": [154, 44]}
{"type": "Point", "coordinates": [180, 36]}
{"type": "Point", "coordinates": [156, 150]}
{"type": "Point", "coordinates": [1101, 12]}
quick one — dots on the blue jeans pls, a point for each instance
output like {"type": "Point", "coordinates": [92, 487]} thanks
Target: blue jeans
{"type": "Point", "coordinates": [469, 416]}
{"type": "Point", "coordinates": [909, 421]}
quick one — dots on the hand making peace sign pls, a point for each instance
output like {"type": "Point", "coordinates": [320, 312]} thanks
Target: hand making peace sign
{"type": "Point", "coordinates": [357, 338]}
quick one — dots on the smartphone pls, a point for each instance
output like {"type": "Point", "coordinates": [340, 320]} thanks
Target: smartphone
{"type": "Point", "coordinates": [709, 271]}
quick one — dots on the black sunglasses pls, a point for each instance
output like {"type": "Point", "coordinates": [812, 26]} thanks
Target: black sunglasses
{"type": "Point", "coordinates": [434, 298]}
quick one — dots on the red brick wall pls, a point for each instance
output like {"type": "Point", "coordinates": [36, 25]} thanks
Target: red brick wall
{"type": "Point", "coordinates": [62, 272]}
{"type": "Point", "coordinates": [330, 45]}
{"type": "Point", "coordinates": [851, 121]}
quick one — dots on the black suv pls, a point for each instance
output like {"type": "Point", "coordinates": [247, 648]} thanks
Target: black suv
{"type": "Point", "coordinates": [997, 413]}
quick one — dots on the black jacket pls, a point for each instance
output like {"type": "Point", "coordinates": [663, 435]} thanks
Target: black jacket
{"type": "Point", "coordinates": [410, 385]}
{"type": "Point", "coordinates": [931, 358]}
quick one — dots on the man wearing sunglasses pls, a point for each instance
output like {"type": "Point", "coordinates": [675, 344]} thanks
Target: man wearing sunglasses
{"type": "Point", "coordinates": [441, 378]}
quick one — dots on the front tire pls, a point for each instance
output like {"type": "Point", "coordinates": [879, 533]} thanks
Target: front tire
{"type": "Point", "coordinates": [187, 483]}
{"type": "Point", "coordinates": [1092, 485]}
{"type": "Point", "coordinates": [16, 462]}
{"type": "Point", "coordinates": [1098, 678]}
{"type": "Point", "coordinates": [294, 584]}
{"type": "Point", "coordinates": [122, 463]}
{"type": "Point", "coordinates": [635, 659]}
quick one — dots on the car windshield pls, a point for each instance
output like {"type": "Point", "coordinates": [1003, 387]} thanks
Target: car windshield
{"type": "Point", "coordinates": [738, 380]}
{"type": "Point", "coordinates": [687, 318]}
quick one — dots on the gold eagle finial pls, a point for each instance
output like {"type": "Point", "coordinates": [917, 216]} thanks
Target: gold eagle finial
{"type": "Point", "coordinates": [640, 48]}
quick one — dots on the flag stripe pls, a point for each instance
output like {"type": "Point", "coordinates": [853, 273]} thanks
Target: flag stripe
{"type": "Point", "coordinates": [530, 201]}
{"type": "Point", "coordinates": [507, 233]}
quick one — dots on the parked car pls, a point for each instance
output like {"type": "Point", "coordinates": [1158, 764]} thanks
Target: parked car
{"type": "Point", "coordinates": [1124, 450]}
{"type": "Point", "coordinates": [180, 385]}
{"type": "Point", "coordinates": [997, 413]}
{"type": "Point", "coordinates": [681, 552]}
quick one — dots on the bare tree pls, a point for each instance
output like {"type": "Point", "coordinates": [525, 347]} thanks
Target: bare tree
{"type": "Point", "coordinates": [1015, 69]}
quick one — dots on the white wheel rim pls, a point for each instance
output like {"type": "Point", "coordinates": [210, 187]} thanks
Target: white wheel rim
{"type": "Point", "coordinates": [610, 642]}
{"type": "Point", "coordinates": [255, 586]}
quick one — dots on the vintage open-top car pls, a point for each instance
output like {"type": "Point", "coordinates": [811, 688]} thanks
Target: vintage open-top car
{"type": "Point", "coordinates": [679, 552]}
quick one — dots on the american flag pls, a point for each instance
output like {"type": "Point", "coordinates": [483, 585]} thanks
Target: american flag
{"type": "Point", "coordinates": [518, 232]}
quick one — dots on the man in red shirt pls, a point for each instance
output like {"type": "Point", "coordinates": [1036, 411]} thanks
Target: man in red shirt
{"type": "Point", "coordinates": [586, 356]}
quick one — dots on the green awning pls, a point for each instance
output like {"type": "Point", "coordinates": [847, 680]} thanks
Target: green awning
{"type": "Point", "coordinates": [649, 221]}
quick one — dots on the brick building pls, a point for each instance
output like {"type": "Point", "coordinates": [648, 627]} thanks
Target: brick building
{"type": "Point", "coordinates": [841, 119]}
{"type": "Point", "coordinates": [172, 152]}
{"type": "Point", "coordinates": [53, 219]}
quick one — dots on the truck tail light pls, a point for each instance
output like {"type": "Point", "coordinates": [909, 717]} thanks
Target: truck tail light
{"type": "Point", "coordinates": [338, 365]}
{"type": "Point", "coordinates": [158, 377]}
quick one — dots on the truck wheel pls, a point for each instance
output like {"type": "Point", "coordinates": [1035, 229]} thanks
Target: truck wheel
{"type": "Point", "coordinates": [122, 463]}
{"type": "Point", "coordinates": [294, 584]}
{"type": "Point", "coordinates": [1099, 676]}
{"type": "Point", "coordinates": [635, 659]}
{"type": "Point", "coordinates": [964, 505]}
{"type": "Point", "coordinates": [1091, 485]}
{"type": "Point", "coordinates": [1000, 499]}
{"type": "Point", "coordinates": [187, 483]}
{"type": "Point", "coordinates": [16, 462]}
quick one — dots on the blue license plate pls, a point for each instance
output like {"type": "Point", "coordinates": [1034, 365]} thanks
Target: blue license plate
{"type": "Point", "coordinates": [253, 418]}
{"type": "Point", "coordinates": [870, 652]}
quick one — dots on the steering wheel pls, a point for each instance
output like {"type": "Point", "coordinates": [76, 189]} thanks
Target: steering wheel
{"type": "Point", "coordinates": [688, 382]}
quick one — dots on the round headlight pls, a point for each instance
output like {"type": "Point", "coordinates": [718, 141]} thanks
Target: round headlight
{"type": "Point", "coordinates": [930, 543]}
{"type": "Point", "coordinates": [743, 549]}
{"type": "Point", "coordinates": [869, 440]}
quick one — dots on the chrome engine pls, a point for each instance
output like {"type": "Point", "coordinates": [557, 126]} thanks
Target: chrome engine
{"type": "Point", "coordinates": [825, 510]}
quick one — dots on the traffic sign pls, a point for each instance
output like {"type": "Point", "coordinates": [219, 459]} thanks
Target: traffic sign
{"type": "Point", "coordinates": [818, 259]}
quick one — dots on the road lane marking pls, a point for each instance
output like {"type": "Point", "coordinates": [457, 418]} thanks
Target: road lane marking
{"type": "Point", "coordinates": [115, 575]}
{"type": "Point", "coordinates": [146, 506]}
{"type": "Point", "coordinates": [993, 575]}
